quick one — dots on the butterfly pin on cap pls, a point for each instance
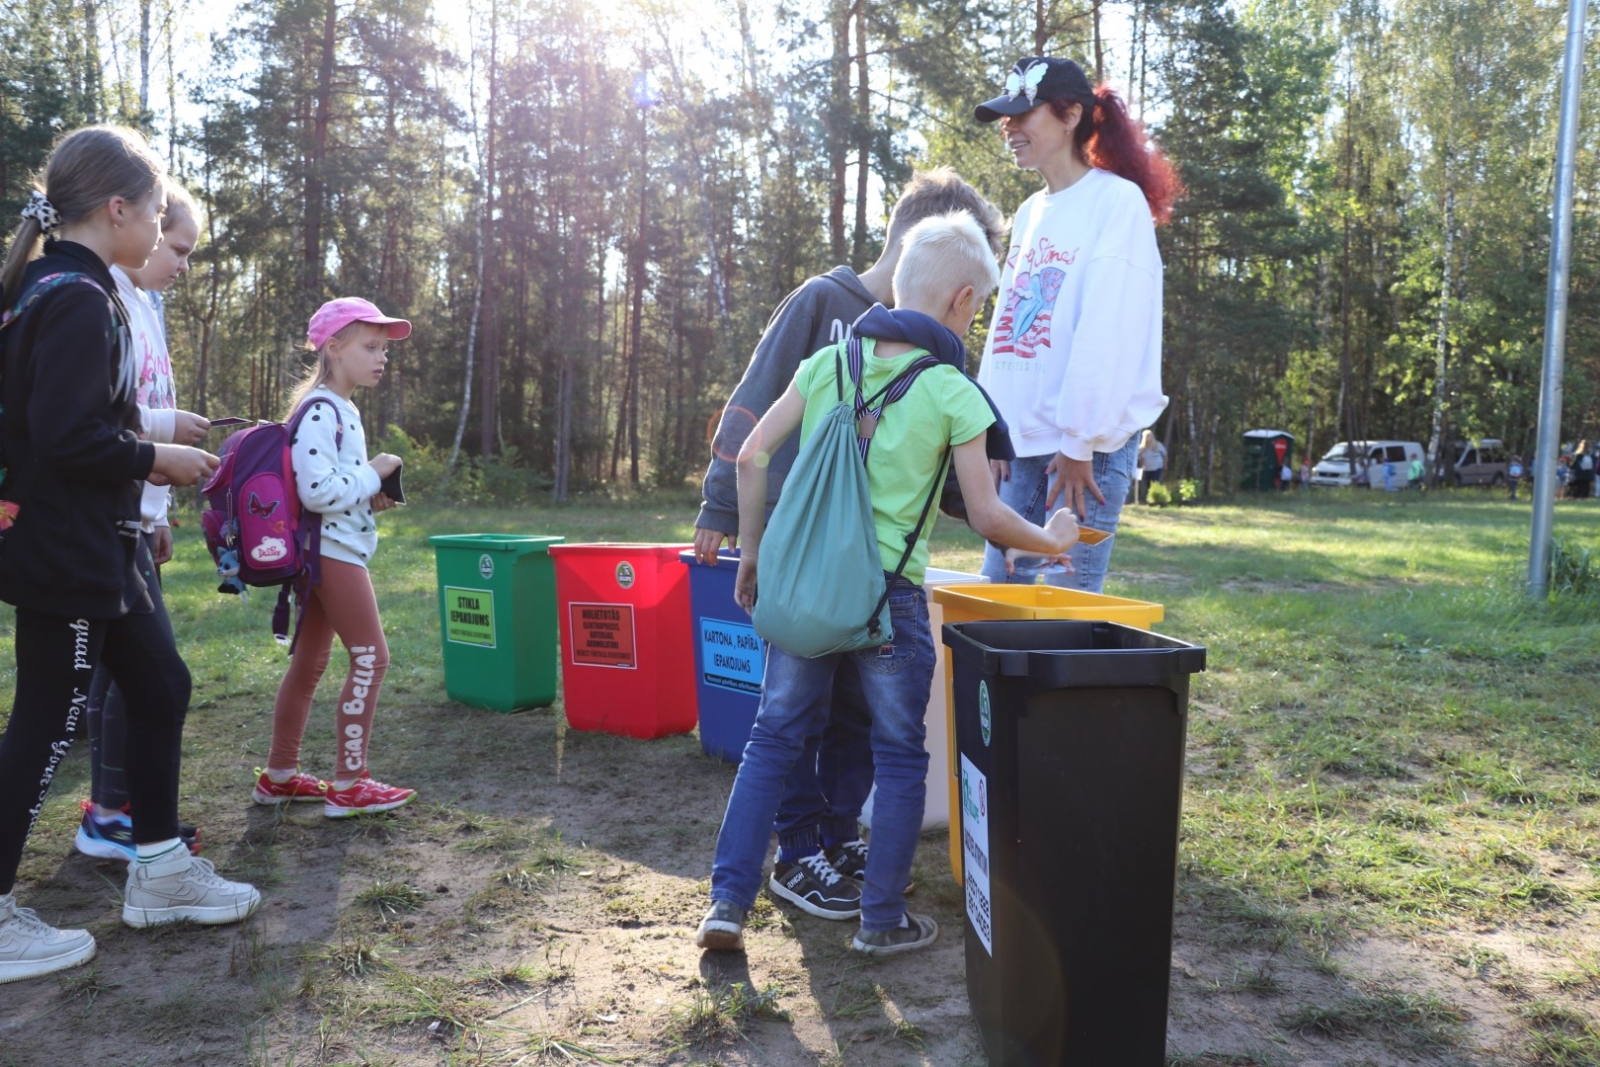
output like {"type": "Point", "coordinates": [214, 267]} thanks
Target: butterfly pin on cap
{"type": "Point", "coordinates": [1034, 80]}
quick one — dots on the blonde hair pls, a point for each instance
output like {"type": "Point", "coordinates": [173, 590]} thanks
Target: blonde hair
{"type": "Point", "coordinates": [941, 191]}
{"type": "Point", "coordinates": [941, 256]}
{"type": "Point", "coordinates": [320, 371]}
{"type": "Point", "coordinates": [180, 206]}
{"type": "Point", "coordinates": [1147, 439]}
{"type": "Point", "coordinates": [87, 168]}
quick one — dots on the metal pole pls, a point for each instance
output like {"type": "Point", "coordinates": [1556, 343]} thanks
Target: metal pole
{"type": "Point", "coordinates": [1555, 315]}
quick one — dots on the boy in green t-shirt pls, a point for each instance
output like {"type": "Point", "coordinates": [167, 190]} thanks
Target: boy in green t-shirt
{"type": "Point", "coordinates": [946, 271]}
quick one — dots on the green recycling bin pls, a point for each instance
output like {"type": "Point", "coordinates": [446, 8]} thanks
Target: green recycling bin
{"type": "Point", "coordinates": [497, 619]}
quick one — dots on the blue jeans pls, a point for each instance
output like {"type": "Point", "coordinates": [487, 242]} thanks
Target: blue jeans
{"type": "Point", "coordinates": [796, 695]}
{"type": "Point", "coordinates": [824, 794]}
{"type": "Point", "coordinates": [1026, 493]}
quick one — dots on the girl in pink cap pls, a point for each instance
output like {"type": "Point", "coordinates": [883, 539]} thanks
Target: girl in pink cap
{"type": "Point", "coordinates": [341, 485]}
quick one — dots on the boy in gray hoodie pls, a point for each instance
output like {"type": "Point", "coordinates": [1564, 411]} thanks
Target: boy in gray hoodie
{"type": "Point", "coordinates": [821, 857]}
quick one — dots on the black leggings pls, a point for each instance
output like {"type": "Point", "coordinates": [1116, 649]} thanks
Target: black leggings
{"type": "Point", "coordinates": [56, 658]}
{"type": "Point", "coordinates": [107, 713]}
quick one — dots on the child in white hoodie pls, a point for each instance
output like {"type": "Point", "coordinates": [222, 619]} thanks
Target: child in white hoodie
{"type": "Point", "coordinates": [106, 831]}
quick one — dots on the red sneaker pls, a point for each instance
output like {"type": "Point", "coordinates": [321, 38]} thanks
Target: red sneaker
{"type": "Point", "coordinates": [364, 796]}
{"type": "Point", "coordinates": [298, 789]}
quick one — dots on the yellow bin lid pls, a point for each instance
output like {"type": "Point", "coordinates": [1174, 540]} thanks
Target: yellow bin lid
{"type": "Point", "coordinates": [966, 603]}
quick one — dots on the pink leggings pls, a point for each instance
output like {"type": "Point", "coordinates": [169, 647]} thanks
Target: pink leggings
{"type": "Point", "coordinates": [343, 604]}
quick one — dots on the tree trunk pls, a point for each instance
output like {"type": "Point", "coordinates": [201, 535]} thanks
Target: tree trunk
{"type": "Point", "coordinates": [864, 128]}
{"type": "Point", "coordinates": [1441, 393]}
{"type": "Point", "coordinates": [491, 355]}
{"type": "Point", "coordinates": [312, 250]}
{"type": "Point", "coordinates": [636, 331]}
{"type": "Point", "coordinates": [144, 58]}
{"type": "Point", "coordinates": [838, 127]}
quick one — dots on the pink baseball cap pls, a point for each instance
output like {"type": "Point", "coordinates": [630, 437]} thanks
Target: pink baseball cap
{"type": "Point", "coordinates": [335, 315]}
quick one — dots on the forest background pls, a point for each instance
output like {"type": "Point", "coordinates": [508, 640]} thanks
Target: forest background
{"type": "Point", "coordinates": [590, 210]}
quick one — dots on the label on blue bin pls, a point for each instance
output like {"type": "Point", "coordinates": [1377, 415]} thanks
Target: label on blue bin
{"type": "Point", "coordinates": [730, 655]}
{"type": "Point", "coordinates": [975, 851]}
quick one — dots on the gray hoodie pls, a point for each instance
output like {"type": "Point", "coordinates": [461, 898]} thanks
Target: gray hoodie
{"type": "Point", "coordinates": [811, 318]}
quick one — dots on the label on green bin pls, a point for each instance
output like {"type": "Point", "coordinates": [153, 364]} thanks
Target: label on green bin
{"type": "Point", "coordinates": [975, 851]}
{"type": "Point", "coordinates": [731, 655]}
{"type": "Point", "coordinates": [469, 616]}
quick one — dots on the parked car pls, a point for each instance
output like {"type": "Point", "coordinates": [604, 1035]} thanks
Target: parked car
{"type": "Point", "coordinates": [1378, 464]}
{"type": "Point", "coordinates": [1481, 464]}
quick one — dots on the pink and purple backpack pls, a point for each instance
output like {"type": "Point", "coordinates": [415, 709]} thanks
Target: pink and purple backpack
{"type": "Point", "coordinates": [257, 531]}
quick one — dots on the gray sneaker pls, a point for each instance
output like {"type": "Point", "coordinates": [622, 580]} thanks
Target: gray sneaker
{"type": "Point", "coordinates": [919, 931]}
{"type": "Point", "coordinates": [722, 930]}
{"type": "Point", "coordinates": [29, 948]}
{"type": "Point", "coordinates": [194, 892]}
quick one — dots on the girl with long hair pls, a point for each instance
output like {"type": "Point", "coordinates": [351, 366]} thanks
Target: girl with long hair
{"type": "Point", "coordinates": [70, 557]}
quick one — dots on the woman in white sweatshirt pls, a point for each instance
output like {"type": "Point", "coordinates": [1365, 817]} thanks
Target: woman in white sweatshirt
{"type": "Point", "coordinates": [1073, 357]}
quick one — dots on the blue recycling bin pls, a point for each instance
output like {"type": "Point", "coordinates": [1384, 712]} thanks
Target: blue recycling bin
{"type": "Point", "coordinates": [729, 659]}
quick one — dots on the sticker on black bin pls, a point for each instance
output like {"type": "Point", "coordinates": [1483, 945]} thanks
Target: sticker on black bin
{"type": "Point", "coordinates": [975, 851]}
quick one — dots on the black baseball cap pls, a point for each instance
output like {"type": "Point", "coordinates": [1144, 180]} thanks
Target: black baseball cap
{"type": "Point", "coordinates": [1034, 80]}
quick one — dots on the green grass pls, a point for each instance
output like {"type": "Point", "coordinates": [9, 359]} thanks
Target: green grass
{"type": "Point", "coordinates": [1389, 738]}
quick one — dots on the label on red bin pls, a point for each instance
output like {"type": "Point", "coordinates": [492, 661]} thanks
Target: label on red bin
{"type": "Point", "coordinates": [602, 635]}
{"type": "Point", "coordinates": [975, 851]}
{"type": "Point", "coordinates": [730, 654]}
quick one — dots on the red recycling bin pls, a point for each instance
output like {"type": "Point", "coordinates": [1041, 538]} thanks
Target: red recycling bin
{"type": "Point", "coordinates": [627, 646]}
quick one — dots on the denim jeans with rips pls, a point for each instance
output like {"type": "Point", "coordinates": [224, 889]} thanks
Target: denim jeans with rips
{"type": "Point", "coordinates": [1026, 492]}
{"type": "Point", "coordinates": [796, 694]}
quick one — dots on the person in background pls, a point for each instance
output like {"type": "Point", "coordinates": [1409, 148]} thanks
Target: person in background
{"type": "Point", "coordinates": [1152, 463]}
{"type": "Point", "coordinates": [1580, 485]}
{"type": "Point", "coordinates": [1416, 475]}
{"type": "Point", "coordinates": [1513, 476]}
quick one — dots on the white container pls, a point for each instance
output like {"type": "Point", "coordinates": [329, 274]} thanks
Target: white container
{"type": "Point", "coordinates": [936, 811]}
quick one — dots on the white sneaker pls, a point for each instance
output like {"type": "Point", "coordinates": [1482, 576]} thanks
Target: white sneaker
{"type": "Point", "coordinates": [29, 948]}
{"type": "Point", "coordinates": [193, 891]}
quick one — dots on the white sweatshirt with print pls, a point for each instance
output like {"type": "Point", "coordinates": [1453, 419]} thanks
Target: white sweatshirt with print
{"type": "Point", "coordinates": [1073, 357]}
{"type": "Point", "coordinates": [334, 479]}
{"type": "Point", "coordinates": [156, 394]}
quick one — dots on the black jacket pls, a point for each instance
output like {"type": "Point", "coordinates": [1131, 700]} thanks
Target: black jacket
{"type": "Point", "coordinates": [73, 452]}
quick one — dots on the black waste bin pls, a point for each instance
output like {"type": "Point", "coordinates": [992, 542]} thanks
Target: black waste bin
{"type": "Point", "coordinates": [1071, 743]}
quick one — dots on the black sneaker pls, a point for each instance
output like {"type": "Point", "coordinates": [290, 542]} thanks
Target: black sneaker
{"type": "Point", "coordinates": [722, 929]}
{"type": "Point", "coordinates": [812, 885]}
{"type": "Point", "coordinates": [919, 931]}
{"type": "Point", "coordinates": [850, 860]}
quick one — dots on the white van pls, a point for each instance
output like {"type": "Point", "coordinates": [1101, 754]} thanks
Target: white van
{"type": "Point", "coordinates": [1379, 464]}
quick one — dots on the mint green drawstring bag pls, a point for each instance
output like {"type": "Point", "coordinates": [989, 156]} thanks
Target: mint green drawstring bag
{"type": "Point", "coordinates": [820, 587]}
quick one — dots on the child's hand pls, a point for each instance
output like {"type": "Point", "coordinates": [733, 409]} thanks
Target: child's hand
{"type": "Point", "coordinates": [744, 584]}
{"type": "Point", "coordinates": [181, 465]}
{"type": "Point", "coordinates": [1063, 525]}
{"type": "Point", "coordinates": [161, 549]}
{"type": "Point", "coordinates": [189, 428]}
{"type": "Point", "coordinates": [385, 464]}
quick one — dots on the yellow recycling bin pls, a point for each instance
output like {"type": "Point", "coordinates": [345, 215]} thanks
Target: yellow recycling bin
{"type": "Point", "coordinates": [980, 603]}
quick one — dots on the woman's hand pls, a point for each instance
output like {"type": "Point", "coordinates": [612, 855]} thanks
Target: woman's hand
{"type": "Point", "coordinates": [1001, 471]}
{"type": "Point", "coordinates": [382, 502]}
{"type": "Point", "coordinates": [744, 584]}
{"type": "Point", "coordinates": [1069, 478]}
{"type": "Point", "coordinates": [385, 463]}
{"type": "Point", "coordinates": [181, 465]}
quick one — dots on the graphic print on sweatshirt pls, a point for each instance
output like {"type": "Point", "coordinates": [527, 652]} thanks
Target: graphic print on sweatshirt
{"type": "Point", "coordinates": [1024, 324]}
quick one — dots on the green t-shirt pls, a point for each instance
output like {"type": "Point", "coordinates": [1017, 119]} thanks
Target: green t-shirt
{"type": "Point", "coordinates": [943, 408]}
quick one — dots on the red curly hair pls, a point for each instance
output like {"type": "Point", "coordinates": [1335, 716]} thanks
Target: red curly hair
{"type": "Point", "coordinates": [1114, 140]}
